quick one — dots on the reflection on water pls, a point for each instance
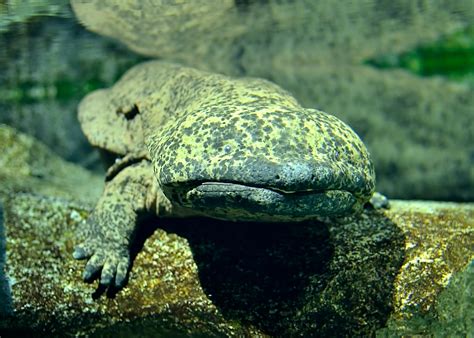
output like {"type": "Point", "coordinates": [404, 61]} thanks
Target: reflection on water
{"type": "Point", "coordinates": [20, 11]}
{"type": "Point", "coordinates": [48, 63]}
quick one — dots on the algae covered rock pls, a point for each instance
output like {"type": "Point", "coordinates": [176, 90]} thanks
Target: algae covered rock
{"type": "Point", "coordinates": [28, 165]}
{"type": "Point", "coordinates": [433, 289]}
{"type": "Point", "coordinates": [48, 294]}
{"type": "Point", "coordinates": [241, 279]}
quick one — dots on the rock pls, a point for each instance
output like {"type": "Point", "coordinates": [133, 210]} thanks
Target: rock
{"type": "Point", "coordinates": [451, 316]}
{"type": "Point", "coordinates": [5, 296]}
{"type": "Point", "coordinates": [28, 165]}
{"type": "Point", "coordinates": [199, 276]}
{"type": "Point", "coordinates": [49, 296]}
{"type": "Point", "coordinates": [434, 287]}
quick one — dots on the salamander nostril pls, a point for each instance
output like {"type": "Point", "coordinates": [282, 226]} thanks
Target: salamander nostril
{"type": "Point", "coordinates": [277, 177]}
{"type": "Point", "coordinates": [132, 113]}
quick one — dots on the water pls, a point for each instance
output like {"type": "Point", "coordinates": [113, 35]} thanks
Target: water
{"type": "Point", "coordinates": [420, 147]}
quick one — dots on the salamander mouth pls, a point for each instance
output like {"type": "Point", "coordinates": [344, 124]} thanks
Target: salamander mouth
{"type": "Point", "coordinates": [237, 201]}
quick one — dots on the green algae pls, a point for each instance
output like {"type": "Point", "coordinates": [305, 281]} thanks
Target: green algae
{"type": "Point", "coordinates": [455, 305]}
{"type": "Point", "coordinates": [65, 88]}
{"type": "Point", "coordinates": [451, 56]}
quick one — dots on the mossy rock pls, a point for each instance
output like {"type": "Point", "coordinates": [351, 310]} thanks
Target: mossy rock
{"type": "Point", "coordinates": [27, 165]}
{"type": "Point", "coordinates": [199, 276]}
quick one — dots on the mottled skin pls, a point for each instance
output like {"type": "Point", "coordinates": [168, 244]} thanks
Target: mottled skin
{"type": "Point", "coordinates": [194, 143]}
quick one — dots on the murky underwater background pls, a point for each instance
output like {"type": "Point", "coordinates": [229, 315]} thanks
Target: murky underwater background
{"type": "Point", "coordinates": [400, 73]}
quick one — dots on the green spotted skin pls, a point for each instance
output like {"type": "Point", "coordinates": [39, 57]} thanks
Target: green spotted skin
{"type": "Point", "coordinates": [198, 143]}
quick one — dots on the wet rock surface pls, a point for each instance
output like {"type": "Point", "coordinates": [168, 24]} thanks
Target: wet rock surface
{"type": "Point", "coordinates": [49, 294]}
{"type": "Point", "coordinates": [433, 289]}
{"type": "Point", "coordinates": [5, 295]}
{"type": "Point", "coordinates": [218, 278]}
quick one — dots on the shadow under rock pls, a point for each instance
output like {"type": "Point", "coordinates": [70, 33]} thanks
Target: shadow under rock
{"type": "Point", "coordinates": [297, 278]}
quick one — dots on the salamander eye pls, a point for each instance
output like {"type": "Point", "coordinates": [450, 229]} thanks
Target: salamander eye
{"type": "Point", "coordinates": [227, 148]}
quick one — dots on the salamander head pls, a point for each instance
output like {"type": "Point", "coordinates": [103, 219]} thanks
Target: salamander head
{"type": "Point", "coordinates": [255, 164]}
